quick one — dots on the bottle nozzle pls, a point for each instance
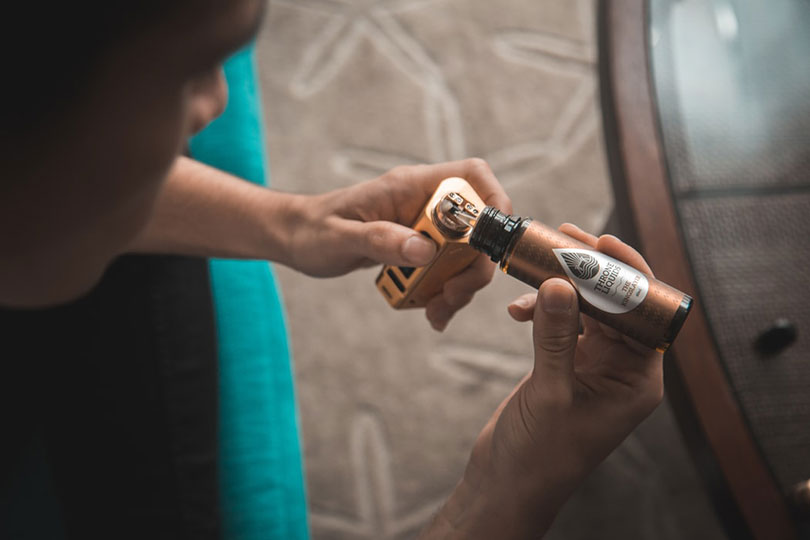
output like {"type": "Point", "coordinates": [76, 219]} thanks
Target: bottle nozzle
{"type": "Point", "coordinates": [493, 232]}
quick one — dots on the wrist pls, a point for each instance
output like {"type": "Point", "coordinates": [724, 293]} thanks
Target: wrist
{"type": "Point", "coordinates": [503, 496]}
{"type": "Point", "coordinates": [482, 506]}
{"type": "Point", "coordinates": [284, 216]}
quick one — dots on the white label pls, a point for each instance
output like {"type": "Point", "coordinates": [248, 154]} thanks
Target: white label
{"type": "Point", "coordinates": [608, 284]}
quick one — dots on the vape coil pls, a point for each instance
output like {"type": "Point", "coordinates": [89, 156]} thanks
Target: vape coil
{"type": "Point", "coordinates": [455, 215]}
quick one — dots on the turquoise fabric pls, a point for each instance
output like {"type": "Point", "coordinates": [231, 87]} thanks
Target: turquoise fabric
{"type": "Point", "coordinates": [262, 484]}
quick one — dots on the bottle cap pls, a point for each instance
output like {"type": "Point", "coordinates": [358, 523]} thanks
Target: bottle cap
{"type": "Point", "coordinates": [493, 232]}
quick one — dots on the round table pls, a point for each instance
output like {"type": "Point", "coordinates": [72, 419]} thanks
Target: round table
{"type": "Point", "coordinates": [706, 109]}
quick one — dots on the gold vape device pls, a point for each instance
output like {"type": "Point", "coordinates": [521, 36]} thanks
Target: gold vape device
{"type": "Point", "coordinates": [445, 219]}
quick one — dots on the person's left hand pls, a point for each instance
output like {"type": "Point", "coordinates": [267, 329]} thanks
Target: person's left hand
{"type": "Point", "coordinates": [368, 224]}
{"type": "Point", "coordinates": [584, 396]}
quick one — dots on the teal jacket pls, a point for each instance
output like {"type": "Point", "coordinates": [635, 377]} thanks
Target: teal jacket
{"type": "Point", "coordinates": [262, 483]}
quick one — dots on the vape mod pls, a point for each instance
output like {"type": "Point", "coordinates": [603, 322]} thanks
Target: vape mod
{"type": "Point", "coordinates": [610, 291]}
{"type": "Point", "coordinates": [407, 287]}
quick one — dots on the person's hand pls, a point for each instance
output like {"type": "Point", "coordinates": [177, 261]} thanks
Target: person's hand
{"type": "Point", "coordinates": [368, 224]}
{"type": "Point", "coordinates": [584, 396]}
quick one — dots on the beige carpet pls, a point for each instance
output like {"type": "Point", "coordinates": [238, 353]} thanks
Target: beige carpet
{"type": "Point", "coordinates": [389, 407]}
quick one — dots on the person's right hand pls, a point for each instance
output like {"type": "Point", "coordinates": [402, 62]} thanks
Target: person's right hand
{"type": "Point", "coordinates": [585, 394]}
{"type": "Point", "coordinates": [369, 223]}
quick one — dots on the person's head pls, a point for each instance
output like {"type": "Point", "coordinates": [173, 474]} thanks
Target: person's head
{"type": "Point", "coordinates": [98, 100]}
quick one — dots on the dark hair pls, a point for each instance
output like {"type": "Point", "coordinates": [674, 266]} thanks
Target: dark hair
{"type": "Point", "coordinates": [52, 49]}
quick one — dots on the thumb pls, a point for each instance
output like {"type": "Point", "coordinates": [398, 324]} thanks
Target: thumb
{"type": "Point", "coordinates": [388, 243]}
{"type": "Point", "coordinates": [556, 330]}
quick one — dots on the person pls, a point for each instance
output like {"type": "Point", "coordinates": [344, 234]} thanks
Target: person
{"type": "Point", "coordinates": [92, 171]}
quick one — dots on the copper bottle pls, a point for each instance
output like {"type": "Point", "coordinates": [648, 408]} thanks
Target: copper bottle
{"type": "Point", "coordinates": [609, 290]}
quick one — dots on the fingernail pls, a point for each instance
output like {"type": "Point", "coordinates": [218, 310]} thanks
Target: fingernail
{"type": "Point", "coordinates": [418, 250]}
{"type": "Point", "coordinates": [574, 226]}
{"type": "Point", "coordinates": [522, 302]}
{"type": "Point", "coordinates": [439, 325]}
{"type": "Point", "coordinates": [438, 315]}
{"type": "Point", "coordinates": [556, 298]}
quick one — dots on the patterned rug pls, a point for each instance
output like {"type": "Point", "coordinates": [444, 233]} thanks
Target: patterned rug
{"type": "Point", "coordinates": [389, 407]}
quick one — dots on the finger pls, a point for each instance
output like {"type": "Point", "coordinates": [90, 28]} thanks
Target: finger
{"type": "Point", "coordinates": [591, 326]}
{"type": "Point", "coordinates": [438, 313]}
{"type": "Point", "coordinates": [471, 279]}
{"type": "Point", "coordinates": [385, 242]}
{"type": "Point", "coordinates": [458, 292]}
{"type": "Point", "coordinates": [556, 330]}
{"type": "Point", "coordinates": [575, 232]}
{"type": "Point", "coordinates": [480, 176]}
{"type": "Point", "coordinates": [406, 188]}
{"type": "Point", "coordinates": [522, 308]}
{"type": "Point", "coordinates": [612, 246]}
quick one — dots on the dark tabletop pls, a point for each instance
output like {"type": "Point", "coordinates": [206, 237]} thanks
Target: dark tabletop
{"type": "Point", "coordinates": [731, 83]}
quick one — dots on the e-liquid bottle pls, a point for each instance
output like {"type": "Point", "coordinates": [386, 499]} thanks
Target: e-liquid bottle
{"type": "Point", "coordinates": [609, 290]}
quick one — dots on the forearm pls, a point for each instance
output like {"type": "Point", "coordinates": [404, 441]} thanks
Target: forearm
{"type": "Point", "coordinates": [207, 212]}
